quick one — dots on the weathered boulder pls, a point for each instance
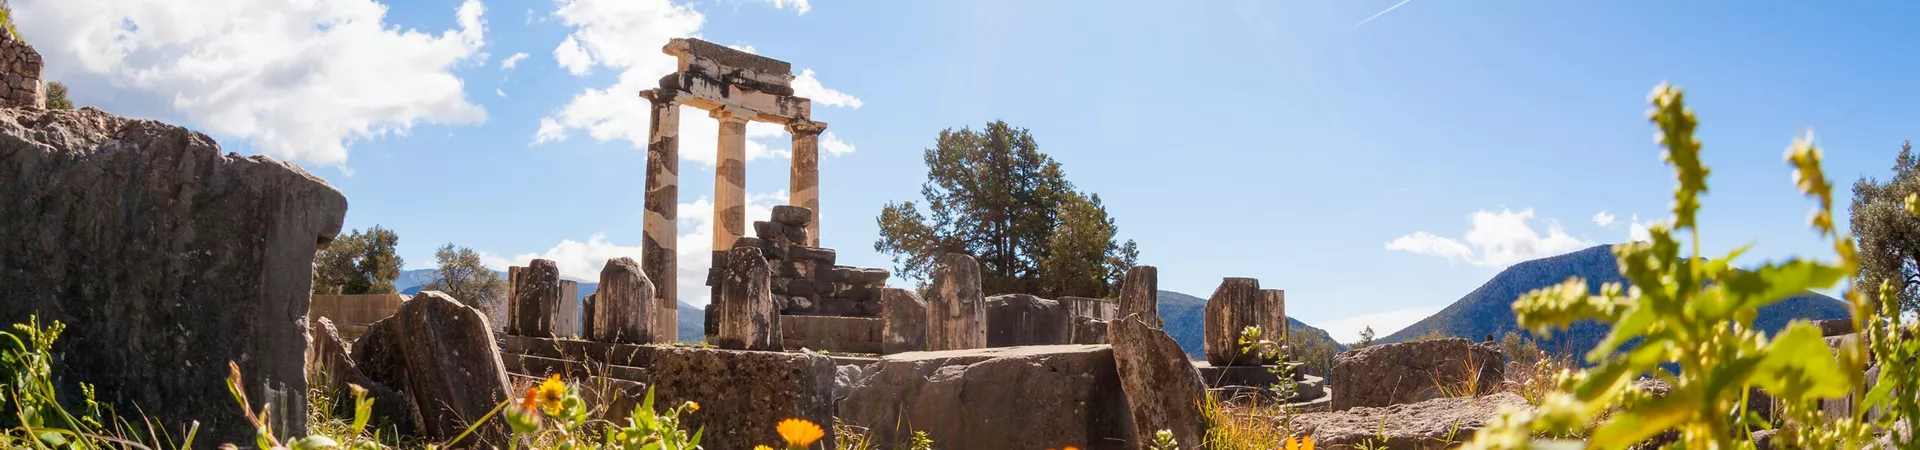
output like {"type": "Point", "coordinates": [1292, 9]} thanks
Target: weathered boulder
{"type": "Point", "coordinates": [166, 259]}
{"type": "Point", "coordinates": [957, 311]}
{"type": "Point", "coordinates": [1164, 392]}
{"type": "Point", "coordinates": [1088, 330]}
{"type": "Point", "coordinates": [330, 366]}
{"type": "Point", "coordinates": [623, 304]}
{"type": "Point", "coordinates": [536, 299]}
{"type": "Point", "coordinates": [747, 319]}
{"type": "Point", "coordinates": [441, 354]}
{"type": "Point", "coordinates": [1021, 319]}
{"type": "Point", "coordinates": [742, 394]}
{"type": "Point", "coordinates": [1011, 397]}
{"type": "Point", "coordinates": [1140, 294]}
{"type": "Point", "coordinates": [905, 315]}
{"type": "Point", "coordinates": [1411, 372]}
{"type": "Point", "coordinates": [1429, 425]}
{"type": "Point", "coordinates": [1239, 303]}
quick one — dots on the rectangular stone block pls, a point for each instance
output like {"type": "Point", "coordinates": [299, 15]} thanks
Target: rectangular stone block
{"type": "Point", "coordinates": [833, 334]}
{"type": "Point", "coordinates": [996, 398]}
{"type": "Point", "coordinates": [742, 394]}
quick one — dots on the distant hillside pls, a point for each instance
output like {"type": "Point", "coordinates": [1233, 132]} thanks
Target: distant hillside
{"type": "Point", "coordinates": [1186, 319]}
{"type": "Point", "coordinates": [1489, 309]}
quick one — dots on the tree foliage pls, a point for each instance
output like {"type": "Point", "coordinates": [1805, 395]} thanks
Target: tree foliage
{"type": "Point", "coordinates": [358, 263]}
{"type": "Point", "coordinates": [1889, 237]}
{"type": "Point", "coordinates": [992, 194]}
{"type": "Point", "coordinates": [57, 96]}
{"type": "Point", "coordinates": [462, 276]}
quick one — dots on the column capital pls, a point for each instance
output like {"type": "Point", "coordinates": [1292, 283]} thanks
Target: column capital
{"type": "Point", "coordinates": [731, 114]}
{"type": "Point", "coordinates": [800, 127]}
{"type": "Point", "coordinates": [658, 97]}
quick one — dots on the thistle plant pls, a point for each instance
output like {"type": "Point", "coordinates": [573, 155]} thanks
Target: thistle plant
{"type": "Point", "coordinates": [1697, 314]}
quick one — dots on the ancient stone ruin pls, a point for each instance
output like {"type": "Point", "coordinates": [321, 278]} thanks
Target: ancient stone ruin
{"type": "Point", "coordinates": [165, 258]}
{"type": "Point", "coordinates": [20, 68]}
{"type": "Point", "coordinates": [735, 87]}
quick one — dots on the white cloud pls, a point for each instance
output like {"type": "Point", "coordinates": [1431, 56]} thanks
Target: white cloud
{"type": "Point", "coordinates": [1604, 219]}
{"type": "Point", "coordinates": [833, 145]}
{"type": "Point", "coordinates": [583, 260]}
{"type": "Point", "coordinates": [807, 86]}
{"type": "Point", "coordinates": [1497, 239]}
{"type": "Point", "coordinates": [626, 36]}
{"type": "Point", "coordinates": [800, 6]}
{"type": "Point", "coordinates": [1347, 330]}
{"type": "Point", "coordinates": [299, 80]}
{"type": "Point", "coordinates": [1637, 230]}
{"type": "Point", "coordinates": [507, 64]}
{"type": "Point", "coordinates": [499, 92]}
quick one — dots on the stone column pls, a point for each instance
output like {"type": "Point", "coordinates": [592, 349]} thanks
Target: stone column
{"type": "Point", "coordinates": [805, 182]}
{"type": "Point", "coordinates": [662, 221]}
{"type": "Point", "coordinates": [1238, 303]}
{"type": "Point", "coordinates": [1274, 318]}
{"type": "Point", "coordinates": [748, 320]}
{"type": "Point", "coordinates": [730, 179]}
{"type": "Point", "coordinates": [1140, 294]}
{"type": "Point", "coordinates": [623, 307]}
{"type": "Point", "coordinates": [536, 298]}
{"type": "Point", "coordinates": [957, 313]}
{"type": "Point", "coordinates": [513, 304]}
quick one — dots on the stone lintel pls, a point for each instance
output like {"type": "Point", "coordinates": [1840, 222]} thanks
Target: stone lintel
{"type": "Point", "coordinates": [688, 50]}
{"type": "Point", "coordinates": [704, 92]}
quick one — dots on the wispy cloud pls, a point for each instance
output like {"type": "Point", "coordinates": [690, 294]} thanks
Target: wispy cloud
{"type": "Point", "coordinates": [1382, 13]}
{"type": "Point", "coordinates": [1497, 239]}
{"type": "Point", "coordinates": [1604, 219]}
{"type": "Point", "coordinates": [1347, 330]}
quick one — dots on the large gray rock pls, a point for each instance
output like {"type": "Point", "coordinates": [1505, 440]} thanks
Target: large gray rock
{"type": "Point", "coordinates": [1239, 303]}
{"type": "Point", "coordinates": [442, 355]}
{"type": "Point", "coordinates": [1164, 392]}
{"type": "Point", "coordinates": [1140, 294]}
{"type": "Point", "coordinates": [1010, 397]}
{"type": "Point", "coordinates": [905, 317]}
{"type": "Point", "coordinates": [332, 368]}
{"type": "Point", "coordinates": [1430, 425]}
{"type": "Point", "coordinates": [1021, 319]}
{"type": "Point", "coordinates": [957, 311]}
{"type": "Point", "coordinates": [536, 299]}
{"type": "Point", "coordinates": [166, 260]}
{"type": "Point", "coordinates": [748, 320]}
{"type": "Point", "coordinates": [623, 304]}
{"type": "Point", "coordinates": [1412, 372]}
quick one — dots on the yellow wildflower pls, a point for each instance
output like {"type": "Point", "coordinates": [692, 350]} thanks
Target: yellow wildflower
{"type": "Point", "coordinates": [693, 406]}
{"type": "Point", "coordinates": [1300, 443]}
{"type": "Point", "coordinates": [799, 433]}
{"type": "Point", "coordinates": [762, 447]}
{"type": "Point", "coordinates": [550, 394]}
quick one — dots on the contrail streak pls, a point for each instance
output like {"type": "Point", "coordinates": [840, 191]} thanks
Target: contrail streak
{"type": "Point", "coordinates": [1382, 13]}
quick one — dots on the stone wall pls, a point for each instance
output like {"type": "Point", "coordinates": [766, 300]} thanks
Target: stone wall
{"type": "Point", "coordinates": [805, 280]}
{"type": "Point", "coordinates": [351, 313]}
{"type": "Point", "coordinates": [20, 68]}
{"type": "Point", "coordinates": [166, 258]}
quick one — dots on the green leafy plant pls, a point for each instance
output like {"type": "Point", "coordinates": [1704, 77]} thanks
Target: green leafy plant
{"type": "Point", "coordinates": [265, 439]}
{"type": "Point", "coordinates": [1163, 440]}
{"type": "Point", "coordinates": [1282, 370]}
{"type": "Point", "coordinates": [1697, 314]}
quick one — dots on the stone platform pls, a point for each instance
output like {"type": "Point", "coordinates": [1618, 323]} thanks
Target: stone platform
{"type": "Point", "coordinates": [831, 334]}
{"type": "Point", "coordinates": [1239, 381]}
{"type": "Point", "coordinates": [1043, 396]}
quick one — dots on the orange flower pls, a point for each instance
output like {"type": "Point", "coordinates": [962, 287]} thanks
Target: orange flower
{"type": "Point", "coordinates": [799, 433]}
{"type": "Point", "coordinates": [531, 401]}
{"type": "Point", "coordinates": [1300, 443]}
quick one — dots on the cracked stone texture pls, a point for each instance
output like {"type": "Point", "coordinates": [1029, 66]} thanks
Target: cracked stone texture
{"type": "Point", "coordinates": [166, 259]}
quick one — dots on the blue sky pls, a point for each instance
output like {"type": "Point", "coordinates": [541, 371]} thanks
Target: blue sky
{"type": "Point", "coordinates": [1376, 171]}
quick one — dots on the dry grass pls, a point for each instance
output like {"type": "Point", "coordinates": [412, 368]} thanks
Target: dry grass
{"type": "Point", "coordinates": [1254, 425]}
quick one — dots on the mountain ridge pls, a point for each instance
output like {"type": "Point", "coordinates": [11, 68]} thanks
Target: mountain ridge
{"type": "Point", "coordinates": [1487, 310]}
